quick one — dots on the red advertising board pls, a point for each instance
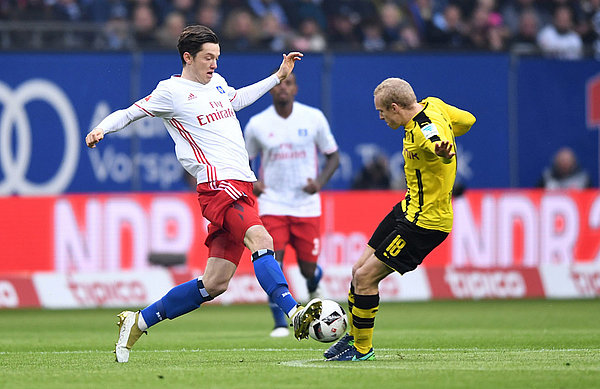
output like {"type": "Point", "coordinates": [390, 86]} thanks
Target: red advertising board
{"type": "Point", "coordinates": [17, 291]}
{"type": "Point", "coordinates": [111, 232]}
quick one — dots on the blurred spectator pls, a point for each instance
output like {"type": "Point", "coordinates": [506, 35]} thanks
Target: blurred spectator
{"type": "Point", "coordinates": [410, 38]}
{"type": "Point", "coordinates": [117, 33]}
{"type": "Point", "coordinates": [261, 8]}
{"type": "Point", "coordinates": [596, 25]}
{"type": "Point", "coordinates": [399, 30]}
{"type": "Point", "coordinates": [565, 172]}
{"type": "Point", "coordinates": [343, 31]}
{"type": "Point", "coordinates": [185, 8]}
{"type": "Point", "coordinates": [421, 14]}
{"type": "Point", "coordinates": [391, 23]}
{"type": "Point", "coordinates": [240, 30]}
{"type": "Point", "coordinates": [272, 36]}
{"type": "Point", "coordinates": [102, 10]}
{"type": "Point", "coordinates": [448, 30]}
{"type": "Point", "coordinates": [358, 25]}
{"type": "Point", "coordinates": [309, 37]}
{"type": "Point", "coordinates": [374, 175]}
{"type": "Point", "coordinates": [362, 9]}
{"type": "Point", "coordinates": [558, 39]}
{"type": "Point", "coordinates": [525, 41]}
{"type": "Point", "coordinates": [589, 26]}
{"type": "Point", "coordinates": [168, 34]}
{"type": "Point", "coordinates": [211, 16]}
{"type": "Point", "coordinates": [372, 35]}
{"type": "Point", "coordinates": [301, 10]}
{"type": "Point", "coordinates": [513, 9]}
{"type": "Point", "coordinates": [486, 31]}
{"type": "Point", "coordinates": [144, 26]}
{"type": "Point", "coordinates": [33, 10]}
{"type": "Point", "coordinates": [69, 10]}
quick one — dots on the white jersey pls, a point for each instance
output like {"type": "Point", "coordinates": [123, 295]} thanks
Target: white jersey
{"type": "Point", "coordinates": [288, 149]}
{"type": "Point", "coordinates": [201, 120]}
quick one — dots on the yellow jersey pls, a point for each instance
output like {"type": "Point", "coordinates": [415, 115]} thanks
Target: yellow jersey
{"type": "Point", "coordinates": [429, 178]}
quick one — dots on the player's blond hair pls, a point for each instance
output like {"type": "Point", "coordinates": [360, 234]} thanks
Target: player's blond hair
{"type": "Point", "coordinates": [395, 90]}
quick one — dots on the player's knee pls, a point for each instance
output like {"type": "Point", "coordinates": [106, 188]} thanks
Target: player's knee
{"type": "Point", "coordinates": [363, 279]}
{"type": "Point", "coordinates": [257, 238]}
{"type": "Point", "coordinates": [215, 286]}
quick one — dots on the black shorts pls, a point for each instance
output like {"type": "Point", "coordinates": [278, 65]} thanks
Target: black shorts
{"type": "Point", "coordinates": [402, 245]}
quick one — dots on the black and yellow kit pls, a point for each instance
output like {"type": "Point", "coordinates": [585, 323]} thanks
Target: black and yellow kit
{"type": "Point", "coordinates": [429, 179]}
{"type": "Point", "coordinates": [423, 219]}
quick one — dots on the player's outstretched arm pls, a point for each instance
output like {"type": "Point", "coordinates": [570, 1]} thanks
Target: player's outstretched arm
{"type": "Point", "coordinates": [116, 121]}
{"type": "Point", "coordinates": [93, 137]}
{"type": "Point", "coordinates": [287, 65]}
{"type": "Point", "coordinates": [444, 149]}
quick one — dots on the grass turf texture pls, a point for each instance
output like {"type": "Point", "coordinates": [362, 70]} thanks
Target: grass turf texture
{"type": "Point", "coordinates": [441, 344]}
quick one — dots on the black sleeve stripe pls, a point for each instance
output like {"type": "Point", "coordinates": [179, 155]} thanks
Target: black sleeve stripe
{"type": "Point", "coordinates": [435, 138]}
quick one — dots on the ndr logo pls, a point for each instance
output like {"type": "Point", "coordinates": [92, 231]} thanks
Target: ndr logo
{"type": "Point", "coordinates": [15, 121]}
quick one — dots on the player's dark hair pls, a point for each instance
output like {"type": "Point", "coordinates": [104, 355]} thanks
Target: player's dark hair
{"type": "Point", "coordinates": [192, 38]}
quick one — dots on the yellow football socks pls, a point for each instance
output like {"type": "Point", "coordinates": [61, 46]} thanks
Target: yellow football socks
{"type": "Point", "coordinates": [364, 309]}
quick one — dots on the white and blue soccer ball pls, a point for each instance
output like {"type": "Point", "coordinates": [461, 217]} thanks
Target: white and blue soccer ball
{"type": "Point", "coordinates": [331, 323]}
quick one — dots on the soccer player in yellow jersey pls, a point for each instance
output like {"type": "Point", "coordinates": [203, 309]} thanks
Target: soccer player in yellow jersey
{"type": "Point", "coordinates": [417, 224]}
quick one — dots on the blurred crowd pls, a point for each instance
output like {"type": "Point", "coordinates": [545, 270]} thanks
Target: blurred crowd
{"type": "Point", "coordinates": [567, 29]}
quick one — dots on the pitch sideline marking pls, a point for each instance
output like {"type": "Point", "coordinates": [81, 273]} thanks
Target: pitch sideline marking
{"type": "Point", "coordinates": [321, 364]}
{"type": "Point", "coordinates": [473, 349]}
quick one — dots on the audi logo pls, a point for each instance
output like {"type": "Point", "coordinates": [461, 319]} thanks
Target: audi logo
{"type": "Point", "coordinates": [14, 164]}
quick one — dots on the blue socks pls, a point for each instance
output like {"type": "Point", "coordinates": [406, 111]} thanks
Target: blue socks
{"type": "Point", "coordinates": [190, 295]}
{"type": "Point", "coordinates": [313, 283]}
{"type": "Point", "coordinates": [271, 278]}
{"type": "Point", "coordinates": [180, 300]}
{"type": "Point", "coordinates": [278, 315]}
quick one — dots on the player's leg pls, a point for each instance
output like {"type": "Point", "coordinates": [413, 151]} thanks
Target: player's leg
{"type": "Point", "coordinates": [178, 301]}
{"type": "Point", "coordinates": [347, 341]}
{"type": "Point", "coordinates": [402, 250]}
{"type": "Point", "coordinates": [306, 240]}
{"type": "Point", "coordinates": [224, 256]}
{"type": "Point", "coordinates": [243, 217]}
{"type": "Point", "coordinates": [366, 305]}
{"type": "Point", "coordinates": [278, 228]}
{"type": "Point", "coordinates": [280, 324]}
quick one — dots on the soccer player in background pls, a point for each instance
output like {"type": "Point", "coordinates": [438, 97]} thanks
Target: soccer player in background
{"type": "Point", "coordinates": [417, 224]}
{"type": "Point", "coordinates": [286, 135]}
{"type": "Point", "coordinates": [198, 109]}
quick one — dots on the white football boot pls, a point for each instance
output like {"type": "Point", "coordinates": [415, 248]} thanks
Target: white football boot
{"type": "Point", "coordinates": [129, 333]}
{"type": "Point", "coordinates": [280, 332]}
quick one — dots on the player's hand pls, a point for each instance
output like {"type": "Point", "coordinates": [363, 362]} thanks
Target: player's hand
{"type": "Point", "coordinates": [444, 149]}
{"type": "Point", "coordinates": [258, 188]}
{"type": "Point", "coordinates": [312, 186]}
{"type": "Point", "coordinates": [94, 136]}
{"type": "Point", "coordinates": [287, 65]}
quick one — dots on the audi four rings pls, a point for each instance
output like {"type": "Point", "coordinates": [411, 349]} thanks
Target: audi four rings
{"type": "Point", "coordinates": [14, 165]}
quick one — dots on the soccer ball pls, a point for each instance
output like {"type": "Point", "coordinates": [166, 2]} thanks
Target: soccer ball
{"type": "Point", "coordinates": [330, 325]}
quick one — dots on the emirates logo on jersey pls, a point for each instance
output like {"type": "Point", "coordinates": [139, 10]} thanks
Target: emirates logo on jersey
{"type": "Point", "coordinates": [191, 97]}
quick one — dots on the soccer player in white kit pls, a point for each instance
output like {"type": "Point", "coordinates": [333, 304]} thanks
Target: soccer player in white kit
{"type": "Point", "coordinates": [288, 136]}
{"type": "Point", "coordinates": [198, 110]}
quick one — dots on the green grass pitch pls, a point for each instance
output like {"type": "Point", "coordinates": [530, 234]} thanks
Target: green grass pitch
{"type": "Point", "coordinates": [440, 344]}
